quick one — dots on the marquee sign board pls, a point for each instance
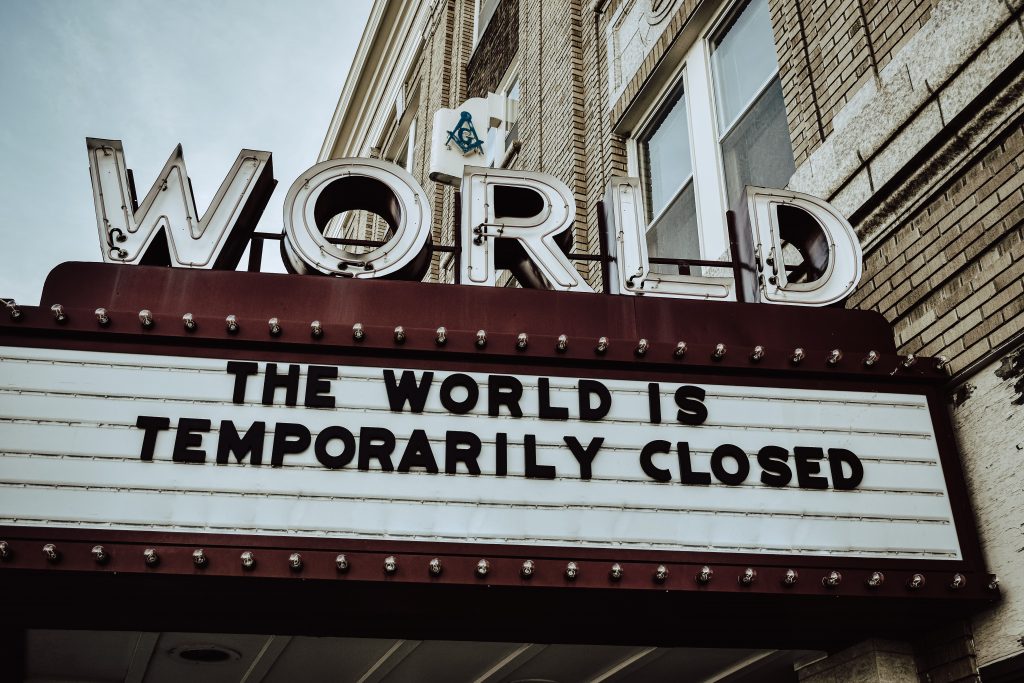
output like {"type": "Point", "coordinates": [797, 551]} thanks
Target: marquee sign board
{"type": "Point", "coordinates": [517, 437]}
{"type": "Point", "coordinates": [172, 443]}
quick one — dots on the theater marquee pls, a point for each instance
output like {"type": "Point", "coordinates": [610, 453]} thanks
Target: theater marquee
{"type": "Point", "coordinates": [233, 424]}
{"type": "Point", "coordinates": [681, 433]}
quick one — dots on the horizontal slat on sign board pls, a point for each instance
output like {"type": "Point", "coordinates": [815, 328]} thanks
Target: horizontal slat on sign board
{"type": "Point", "coordinates": [483, 490]}
{"type": "Point", "coordinates": [721, 532]}
{"type": "Point", "coordinates": [363, 388]}
{"type": "Point", "coordinates": [611, 462]}
{"type": "Point", "coordinates": [912, 444]}
{"type": "Point", "coordinates": [124, 440]}
{"type": "Point", "coordinates": [907, 422]}
{"type": "Point", "coordinates": [67, 426]}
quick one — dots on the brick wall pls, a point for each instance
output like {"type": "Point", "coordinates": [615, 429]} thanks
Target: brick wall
{"type": "Point", "coordinates": [441, 76]}
{"type": "Point", "coordinates": [941, 210]}
{"type": "Point", "coordinates": [552, 105]}
{"type": "Point", "coordinates": [495, 50]}
{"type": "Point", "coordinates": [950, 277]}
{"type": "Point", "coordinates": [988, 410]}
{"type": "Point", "coordinates": [828, 50]}
{"type": "Point", "coordinates": [676, 22]}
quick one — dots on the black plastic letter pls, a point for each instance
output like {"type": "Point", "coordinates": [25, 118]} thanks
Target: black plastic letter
{"type": "Point", "coordinates": [418, 453]}
{"type": "Point", "coordinates": [546, 410]}
{"type": "Point", "coordinates": [533, 470]}
{"type": "Point", "coordinates": [472, 393]}
{"type": "Point", "coordinates": [381, 452]}
{"type": "Point", "coordinates": [242, 371]}
{"type": "Point", "coordinates": [806, 460]}
{"type": "Point", "coordinates": [647, 465]}
{"type": "Point", "coordinates": [840, 482]}
{"type": "Point", "coordinates": [728, 450]}
{"type": "Point", "coordinates": [407, 390]}
{"type": "Point", "coordinates": [251, 444]}
{"type": "Point", "coordinates": [348, 447]}
{"type": "Point", "coordinates": [461, 447]}
{"type": "Point", "coordinates": [188, 439]}
{"type": "Point", "coordinates": [654, 402]}
{"type": "Point", "coordinates": [289, 438]}
{"type": "Point", "coordinates": [686, 473]}
{"type": "Point", "coordinates": [504, 390]}
{"type": "Point", "coordinates": [772, 460]}
{"type": "Point", "coordinates": [588, 388]}
{"type": "Point", "coordinates": [584, 456]}
{"type": "Point", "coordinates": [151, 425]}
{"type": "Point", "coordinates": [318, 386]}
{"type": "Point", "coordinates": [273, 381]}
{"type": "Point", "coordinates": [690, 400]}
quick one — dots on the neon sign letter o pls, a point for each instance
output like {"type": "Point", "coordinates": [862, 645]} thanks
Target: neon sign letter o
{"type": "Point", "coordinates": [332, 187]}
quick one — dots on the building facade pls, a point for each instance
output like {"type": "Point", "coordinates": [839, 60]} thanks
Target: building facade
{"type": "Point", "coordinates": [905, 115]}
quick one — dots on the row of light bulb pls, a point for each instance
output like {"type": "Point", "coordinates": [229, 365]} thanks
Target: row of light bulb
{"type": "Point", "coordinates": [441, 338]}
{"type": "Point", "coordinates": [703, 577]}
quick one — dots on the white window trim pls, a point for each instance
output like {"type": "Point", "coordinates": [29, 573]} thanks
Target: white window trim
{"type": "Point", "coordinates": [403, 129]}
{"type": "Point", "coordinates": [694, 72]}
{"type": "Point", "coordinates": [410, 152]}
{"type": "Point", "coordinates": [505, 154]}
{"type": "Point", "coordinates": [476, 20]}
{"type": "Point", "coordinates": [707, 177]}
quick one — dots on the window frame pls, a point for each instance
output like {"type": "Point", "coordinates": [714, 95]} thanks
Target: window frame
{"type": "Point", "coordinates": [694, 74]}
{"type": "Point", "coordinates": [401, 135]}
{"type": "Point", "coordinates": [478, 30]}
{"type": "Point", "coordinates": [500, 158]}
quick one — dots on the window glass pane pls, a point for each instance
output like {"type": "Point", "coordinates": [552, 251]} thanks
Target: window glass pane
{"type": "Point", "coordinates": [666, 156]}
{"type": "Point", "coordinates": [674, 235]}
{"type": "Point", "coordinates": [758, 150]}
{"type": "Point", "coordinates": [512, 115]}
{"type": "Point", "coordinates": [743, 61]}
{"type": "Point", "coordinates": [402, 156]}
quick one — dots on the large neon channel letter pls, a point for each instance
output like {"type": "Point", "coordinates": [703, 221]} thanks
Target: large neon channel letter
{"type": "Point", "coordinates": [797, 249]}
{"type": "Point", "coordinates": [331, 188]}
{"type": "Point", "coordinates": [807, 252]}
{"type": "Point", "coordinates": [630, 267]}
{"type": "Point", "coordinates": [166, 228]}
{"type": "Point", "coordinates": [521, 221]}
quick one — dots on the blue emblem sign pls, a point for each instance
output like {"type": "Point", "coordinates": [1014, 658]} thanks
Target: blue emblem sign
{"type": "Point", "coordinates": [464, 135]}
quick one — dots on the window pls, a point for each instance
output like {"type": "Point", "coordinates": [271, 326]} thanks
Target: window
{"type": "Point", "coordinates": [756, 149]}
{"type": "Point", "coordinates": [501, 140]}
{"type": "Point", "coordinates": [400, 141]}
{"type": "Point", "coordinates": [720, 125]}
{"type": "Point", "coordinates": [512, 113]}
{"type": "Point", "coordinates": [401, 152]}
{"type": "Point", "coordinates": [668, 171]}
{"type": "Point", "coordinates": [485, 10]}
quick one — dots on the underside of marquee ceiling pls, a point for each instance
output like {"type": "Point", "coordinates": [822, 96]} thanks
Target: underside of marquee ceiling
{"type": "Point", "coordinates": [54, 655]}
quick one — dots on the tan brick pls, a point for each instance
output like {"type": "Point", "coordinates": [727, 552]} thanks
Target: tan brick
{"type": "Point", "coordinates": [962, 327]}
{"type": "Point", "coordinates": [966, 357]}
{"type": "Point", "coordinates": [975, 300]}
{"type": "Point", "coordinates": [1010, 270]}
{"type": "Point", "coordinates": [985, 328]}
{"type": "Point", "coordinates": [1002, 298]}
{"type": "Point", "coordinates": [1011, 328]}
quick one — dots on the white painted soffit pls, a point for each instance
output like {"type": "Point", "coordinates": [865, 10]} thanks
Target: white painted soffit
{"type": "Point", "coordinates": [392, 31]}
{"type": "Point", "coordinates": [373, 24]}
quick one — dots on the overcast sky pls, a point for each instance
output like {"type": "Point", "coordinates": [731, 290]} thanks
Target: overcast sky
{"type": "Point", "coordinates": [217, 76]}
